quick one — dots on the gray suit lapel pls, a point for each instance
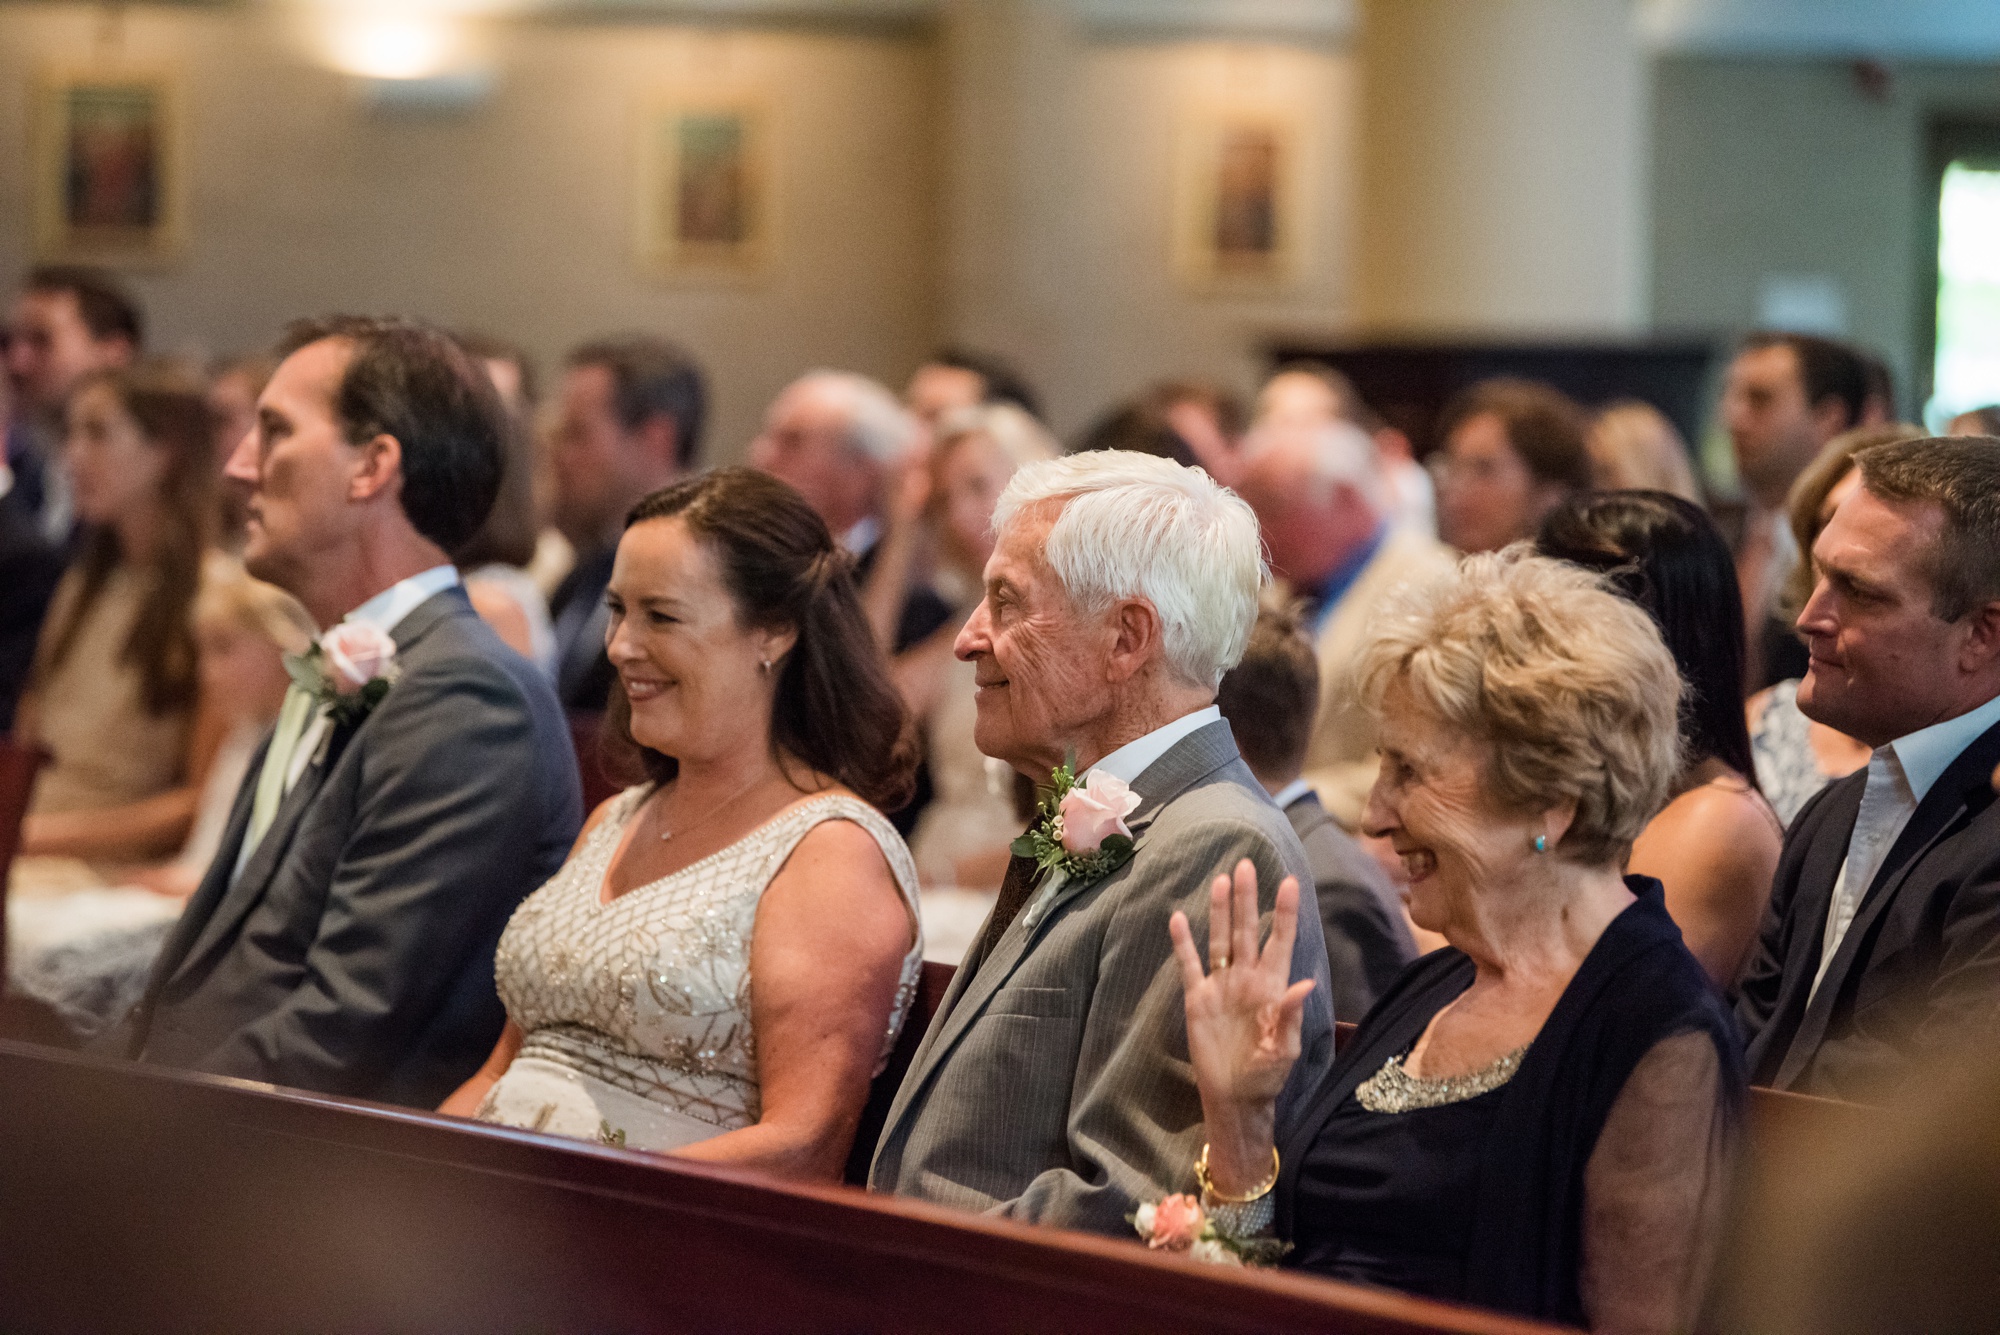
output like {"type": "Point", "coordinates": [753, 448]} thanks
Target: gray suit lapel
{"type": "Point", "coordinates": [1193, 758]}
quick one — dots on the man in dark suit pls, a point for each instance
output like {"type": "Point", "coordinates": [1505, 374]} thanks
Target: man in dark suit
{"type": "Point", "coordinates": [1270, 699]}
{"type": "Point", "coordinates": [1882, 940]}
{"type": "Point", "coordinates": [30, 565]}
{"type": "Point", "coordinates": [630, 423]}
{"type": "Point", "coordinates": [406, 802]}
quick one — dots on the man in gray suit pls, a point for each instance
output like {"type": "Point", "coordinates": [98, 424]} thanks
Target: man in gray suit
{"type": "Point", "coordinates": [408, 799]}
{"type": "Point", "coordinates": [1269, 699]}
{"type": "Point", "coordinates": [1053, 1084]}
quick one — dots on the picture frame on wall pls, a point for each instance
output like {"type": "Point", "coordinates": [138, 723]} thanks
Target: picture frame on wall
{"type": "Point", "coordinates": [108, 163]}
{"type": "Point", "coordinates": [705, 197]}
{"type": "Point", "coordinates": [1240, 198]}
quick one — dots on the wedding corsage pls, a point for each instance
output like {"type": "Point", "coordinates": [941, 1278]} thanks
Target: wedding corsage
{"type": "Point", "coordinates": [1080, 830]}
{"type": "Point", "coordinates": [1179, 1224]}
{"type": "Point", "coordinates": [348, 670]}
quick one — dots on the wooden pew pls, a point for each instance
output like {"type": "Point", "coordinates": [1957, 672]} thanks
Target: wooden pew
{"type": "Point", "coordinates": [147, 1200]}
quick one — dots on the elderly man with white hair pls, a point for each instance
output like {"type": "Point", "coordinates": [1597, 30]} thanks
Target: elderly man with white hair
{"type": "Point", "coordinates": [1328, 518]}
{"type": "Point", "coordinates": [840, 439]}
{"type": "Point", "coordinates": [1054, 1083]}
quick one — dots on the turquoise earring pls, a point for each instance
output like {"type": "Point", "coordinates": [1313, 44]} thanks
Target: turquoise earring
{"type": "Point", "coordinates": [1541, 843]}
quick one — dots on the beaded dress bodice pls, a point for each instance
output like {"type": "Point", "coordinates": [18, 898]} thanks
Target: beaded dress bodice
{"type": "Point", "coordinates": [651, 992]}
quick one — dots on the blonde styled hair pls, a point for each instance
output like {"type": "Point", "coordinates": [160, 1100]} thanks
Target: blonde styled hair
{"type": "Point", "coordinates": [1633, 447]}
{"type": "Point", "coordinates": [1568, 686]}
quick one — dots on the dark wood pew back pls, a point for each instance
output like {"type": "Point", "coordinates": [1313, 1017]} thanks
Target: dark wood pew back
{"type": "Point", "coordinates": [145, 1200]}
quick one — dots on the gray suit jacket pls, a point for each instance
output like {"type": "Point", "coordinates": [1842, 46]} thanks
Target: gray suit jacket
{"type": "Point", "coordinates": [354, 955]}
{"type": "Point", "coordinates": [1367, 940]}
{"type": "Point", "coordinates": [1054, 1084]}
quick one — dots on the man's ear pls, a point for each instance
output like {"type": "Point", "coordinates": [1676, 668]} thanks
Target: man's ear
{"type": "Point", "coordinates": [1980, 651]}
{"type": "Point", "coordinates": [378, 468]}
{"type": "Point", "coordinates": [659, 436]}
{"type": "Point", "coordinates": [1136, 631]}
{"type": "Point", "coordinates": [1830, 416]}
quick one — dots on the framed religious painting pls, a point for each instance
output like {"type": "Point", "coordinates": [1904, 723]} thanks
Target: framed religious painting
{"type": "Point", "coordinates": [1239, 198]}
{"type": "Point", "coordinates": [109, 167]}
{"type": "Point", "coordinates": [705, 196]}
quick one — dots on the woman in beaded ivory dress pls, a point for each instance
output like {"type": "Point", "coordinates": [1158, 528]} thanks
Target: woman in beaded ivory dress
{"type": "Point", "coordinates": [726, 959]}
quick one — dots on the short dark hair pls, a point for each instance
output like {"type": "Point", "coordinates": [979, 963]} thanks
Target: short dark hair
{"type": "Point", "coordinates": [1544, 425]}
{"type": "Point", "coordinates": [651, 377]}
{"type": "Point", "coordinates": [1828, 368]}
{"type": "Point", "coordinates": [414, 382]}
{"type": "Point", "coordinates": [1961, 476]}
{"type": "Point", "coordinates": [1665, 554]}
{"type": "Point", "coordinates": [1139, 426]}
{"type": "Point", "coordinates": [107, 309]}
{"type": "Point", "coordinates": [1987, 419]}
{"type": "Point", "coordinates": [1272, 695]}
{"type": "Point", "coordinates": [836, 709]}
{"type": "Point", "coordinates": [509, 533]}
{"type": "Point", "coordinates": [1000, 380]}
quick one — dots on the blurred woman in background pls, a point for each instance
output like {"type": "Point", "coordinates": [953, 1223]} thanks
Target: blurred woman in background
{"type": "Point", "coordinates": [1513, 450]}
{"type": "Point", "coordinates": [116, 694]}
{"type": "Point", "coordinates": [1715, 845]}
{"type": "Point", "coordinates": [1633, 447]}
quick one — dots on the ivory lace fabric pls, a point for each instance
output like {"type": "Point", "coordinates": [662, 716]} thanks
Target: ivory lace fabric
{"type": "Point", "coordinates": [637, 1013]}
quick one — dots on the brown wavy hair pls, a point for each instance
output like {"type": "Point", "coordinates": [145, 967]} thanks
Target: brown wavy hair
{"type": "Point", "coordinates": [836, 709]}
{"type": "Point", "coordinates": [173, 415]}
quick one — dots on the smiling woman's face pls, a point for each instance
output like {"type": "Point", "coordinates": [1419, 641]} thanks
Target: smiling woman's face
{"type": "Point", "coordinates": [1433, 803]}
{"type": "Point", "coordinates": [693, 675]}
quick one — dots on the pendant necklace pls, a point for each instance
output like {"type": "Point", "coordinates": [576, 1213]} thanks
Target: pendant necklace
{"type": "Point", "coordinates": [660, 820]}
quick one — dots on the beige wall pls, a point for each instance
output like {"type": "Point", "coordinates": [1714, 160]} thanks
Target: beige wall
{"type": "Point", "coordinates": [514, 217]}
{"type": "Point", "coordinates": [1503, 167]}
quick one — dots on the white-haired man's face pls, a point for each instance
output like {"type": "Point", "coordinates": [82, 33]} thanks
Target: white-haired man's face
{"type": "Point", "coordinates": [1041, 666]}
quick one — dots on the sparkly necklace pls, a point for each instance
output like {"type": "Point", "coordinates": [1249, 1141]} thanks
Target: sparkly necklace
{"type": "Point", "coordinates": [660, 820]}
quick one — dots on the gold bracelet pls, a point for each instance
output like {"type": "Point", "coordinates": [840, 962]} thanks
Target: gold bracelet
{"type": "Point", "coordinates": [1201, 1180]}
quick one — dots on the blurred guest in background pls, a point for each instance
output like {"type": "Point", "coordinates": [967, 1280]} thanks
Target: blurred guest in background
{"type": "Point", "coordinates": [115, 694]}
{"type": "Point", "coordinates": [81, 940]}
{"type": "Point", "coordinates": [233, 386]}
{"type": "Point", "coordinates": [30, 566]}
{"type": "Point", "coordinates": [1796, 757]}
{"type": "Point", "coordinates": [1539, 1119]}
{"type": "Point", "coordinates": [420, 779]}
{"type": "Point", "coordinates": [1787, 396]}
{"type": "Point", "coordinates": [1633, 447]}
{"type": "Point", "coordinates": [961, 839]}
{"type": "Point", "coordinates": [1140, 426]}
{"type": "Point", "coordinates": [1883, 934]}
{"type": "Point", "coordinates": [1323, 507]}
{"type": "Point", "coordinates": [1879, 405]}
{"type": "Point", "coordinates": [1978, 422]}
{"type": "Point", "coordinates": [1210, 419]}
{"type": "Point", "coordinates": [1269, 699]}
{"type": "Point", "coordinates": [67, 323]}
{"type": "Point", "coordinates": [962, 378]}
{"type": "Point", "coordinates": [843, 442]}
{"type": "Point", "coordinates": [495, 561]}
{"type": "Point", "coordinates": [1314, 394]}
{"type": "Point", "coordinates": [1716, 843]}
{"type": "Point", "coordinates": [1512, 451]}
{"type": "Point", "coordinates": [630, 420]}
{"type": "Point", "coordinates": [753, 702]}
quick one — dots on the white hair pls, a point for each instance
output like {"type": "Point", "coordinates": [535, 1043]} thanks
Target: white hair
{"type": "Point", "coordinates": [1019, 436]}
{"type": "Point", "coordinates": [876, 424]}
{"type": "Point", "coordinates": [1336, 454]}
{"type": "Point", "coordinates": [1136, 526]}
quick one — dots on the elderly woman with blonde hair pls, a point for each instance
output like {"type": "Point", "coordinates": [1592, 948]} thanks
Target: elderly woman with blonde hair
{"type": "Point", "coordinates": [1537, 1119]}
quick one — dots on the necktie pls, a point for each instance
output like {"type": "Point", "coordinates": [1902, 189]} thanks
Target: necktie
{"type": "Point", "coordinates": [1015, 889]}
{"type": "Point", "coordinates": [1886, 804]}
{"type": "Point", "coordinates": [293, 719]}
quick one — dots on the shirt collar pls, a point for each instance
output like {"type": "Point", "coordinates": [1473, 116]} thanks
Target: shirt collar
{"type": "Point", "coordinates": [1925, 755]}
{"type": "Point", "coordinates": [1129, 761]}
{"type": "Point", "coordinates": [1290, 793]}
{"type": "Point", "coordinates": [386, 610]}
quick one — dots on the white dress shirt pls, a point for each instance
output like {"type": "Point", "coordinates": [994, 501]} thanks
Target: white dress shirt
{"type": "Point", "coordinates": [1900, 775]}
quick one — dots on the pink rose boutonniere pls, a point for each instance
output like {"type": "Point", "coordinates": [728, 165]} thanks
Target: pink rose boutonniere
{"type": "Point", "coordinates": [1080, 829]}
{"type": "Point", "coordinates": [349, 670]}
